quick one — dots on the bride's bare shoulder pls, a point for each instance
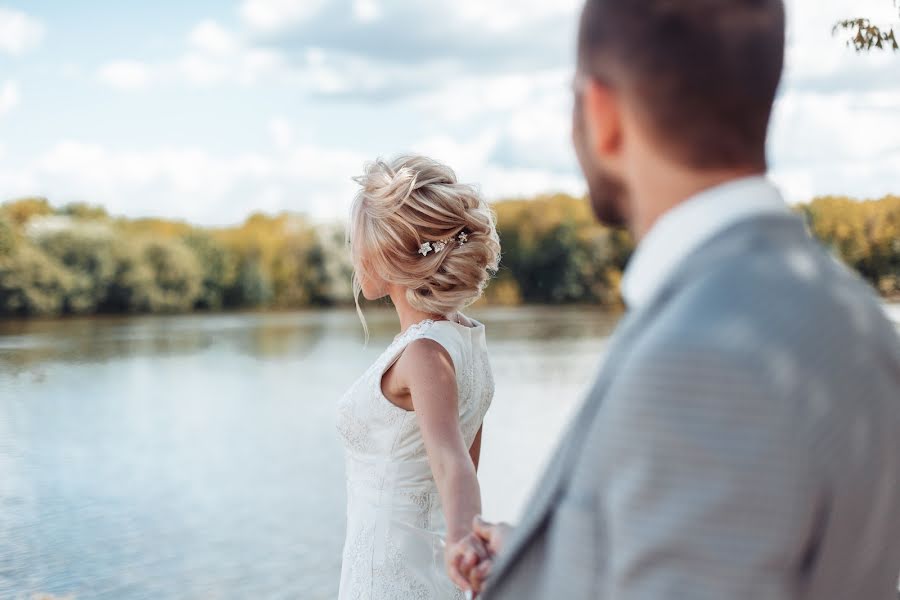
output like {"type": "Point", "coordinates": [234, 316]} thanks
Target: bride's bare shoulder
{"type": "Point", "coordinates": [425, 356]}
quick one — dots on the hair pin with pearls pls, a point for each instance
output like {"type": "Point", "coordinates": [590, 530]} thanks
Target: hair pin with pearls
{"type": "Point", "coordinates": [439, 245]}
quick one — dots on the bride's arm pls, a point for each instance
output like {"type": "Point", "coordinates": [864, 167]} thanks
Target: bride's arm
{"type": "Point", "coordinates": [428, 373]}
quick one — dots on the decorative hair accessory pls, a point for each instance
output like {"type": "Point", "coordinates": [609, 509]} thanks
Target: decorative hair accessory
{"type": "Point", "coordinates": [439, 245]}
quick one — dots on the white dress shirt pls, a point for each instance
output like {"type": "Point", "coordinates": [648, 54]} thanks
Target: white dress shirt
{"type": "Point", "coordinates": [689, 225]}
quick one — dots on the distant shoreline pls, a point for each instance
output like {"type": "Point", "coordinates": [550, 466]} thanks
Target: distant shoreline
{"type": "Point", "coordinates": [79, 260]}
{"type": "Point", "coordinates": [891, 304]}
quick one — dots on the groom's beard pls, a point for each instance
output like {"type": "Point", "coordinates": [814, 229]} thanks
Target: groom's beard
{"type": "Point", "coordinates": [609, 198]}
{"type": "Point", "coordinates": [608, 194]}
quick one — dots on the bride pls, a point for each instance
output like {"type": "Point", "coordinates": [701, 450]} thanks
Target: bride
{"type": "Point", "coordinates": [411, 425]}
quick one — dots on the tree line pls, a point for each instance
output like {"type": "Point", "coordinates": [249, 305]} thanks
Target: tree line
{"type": "Point", "coordinates": [79, 260]}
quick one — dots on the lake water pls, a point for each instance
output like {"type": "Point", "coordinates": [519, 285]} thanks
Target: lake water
{"type": "Point", "coordinates": [196, 456]}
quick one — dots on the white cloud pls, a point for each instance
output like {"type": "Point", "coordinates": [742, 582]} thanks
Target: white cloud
{"type": "Point", "coordinates": [219, 188]}
{"type": "Point", "coordinates": [126, 74]}
{"type": "Point", "coordinates": [461, 99]}
{"type": "Point", "coordinates": [282, 132]}
{"type": "Point", "coordinates": [509, 15]}
{"type": "Point", "coordinates": [836, 143]}
{"type": "Point", "coordinates": [484, 36]}
{"type": "Point", "coordinates": [830, 127]}
{"type": "Point", "coordinates": [819, 61]}
{"type": "Point", "coordinates": [473, 163]}
{"type": "Point", "coordinates": [200, 69]}
{"type": "Point", "coordinates": [386, 51]}
{"type": "Point", "coordinates": [19, 32]}
{"type": "Point", "coordinates": [366, 10]}
{"type": "Point", "coordinates": [482, 84]}
{"type": "Point", "coordinates": [9, 97]}
{"type": "Point", "coordinates": [210, 37]}
{"type": "Point", "coordinates": [275, 15]}
{"type": "Point", "coordinates": [243, 66]}
{"type": "Point", "coordinates": [213, 55]}
{"type": "Point", "coordinates": [191, 182]}
{"type": "Point", "coordinates": [465, 156]}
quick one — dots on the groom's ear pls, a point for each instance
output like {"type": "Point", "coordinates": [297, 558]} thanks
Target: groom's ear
{"type": "Point", "coordinates": [602, 120]}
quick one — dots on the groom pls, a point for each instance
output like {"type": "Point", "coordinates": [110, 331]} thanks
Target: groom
{"type": "Point", "coordinates": [742, 439]}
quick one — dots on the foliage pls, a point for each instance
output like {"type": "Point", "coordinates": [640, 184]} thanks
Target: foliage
{"type": "Point", "coordinates": [8, 240]}
{"type": "Point", "coordinates": [21, 211]}
{"type": "Point", "coordinates": [555, 251]}
{"type": "Point", "coordinates": [177, 277]}
{"type": "Point", "coordinates": [91, 260]}
{"type": "Point", "coordinates": [864, 35]}
{"type": "Point", "coordinates": [33, 284]}
{"type": "Point", "coordinates": [219, 265]}
{"type": "Point", "coordinates": [132, 286]}
{"type": "Point", "coordinates": [79, 260]}
{"type": "Point", "coordinates": [251, 288]}
{"type": "Point", "coordinates": [81, 210]}
{"type": "Point", "coordinates": [865, 235]}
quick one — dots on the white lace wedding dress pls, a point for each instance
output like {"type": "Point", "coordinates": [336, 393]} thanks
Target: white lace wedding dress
{"type": "Point", "coordinates": [395, 525]}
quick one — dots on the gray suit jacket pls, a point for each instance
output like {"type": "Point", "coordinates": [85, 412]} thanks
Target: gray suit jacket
{"type": "Point", "coordinates": [742, 441]}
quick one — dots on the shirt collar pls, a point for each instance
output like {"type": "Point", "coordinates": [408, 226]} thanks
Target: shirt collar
{"type": "Point", "coordinates": [689, 225]}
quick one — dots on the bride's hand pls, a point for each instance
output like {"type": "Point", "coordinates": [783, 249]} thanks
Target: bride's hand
{"type": "Point", "coordinates": [463, 557]}
{"type": "Point", "coordinates": [493, 536]}
{"type": "Point", "coordinates": [469, 561]}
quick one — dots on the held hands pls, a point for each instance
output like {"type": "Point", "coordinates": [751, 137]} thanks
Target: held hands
{"type": "Point", "coordinates": [470, 560]}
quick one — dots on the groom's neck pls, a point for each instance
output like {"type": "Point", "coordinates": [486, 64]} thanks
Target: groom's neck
{"type": "Point", "coordinates": [658, 186]}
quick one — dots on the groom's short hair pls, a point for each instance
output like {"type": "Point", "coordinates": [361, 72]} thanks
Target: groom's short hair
{"type": "Point", "coordinates": [704, 73]}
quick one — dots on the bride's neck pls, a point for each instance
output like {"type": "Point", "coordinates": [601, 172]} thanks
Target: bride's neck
{"type": "Point", "coordinates": [408, 315]}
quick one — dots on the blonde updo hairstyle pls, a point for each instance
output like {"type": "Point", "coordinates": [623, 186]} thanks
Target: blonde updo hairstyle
{"type": "Point", "coordinates": [411, 200]}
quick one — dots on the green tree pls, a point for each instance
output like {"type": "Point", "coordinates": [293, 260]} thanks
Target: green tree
{"type": "Point", "coordinates": [864, 235]}
{"type": "Point", "coordinates": [133, 284]}
{"type": "Point", "coordinates": [33, 284]}
{"type": "Point", "coordinates": [81, 210]}
{"type": "Point", "coordinates": [19, 212]}
{"type": "Point", "coordinates": [251, 287]}
{"type": "Point", "coordinates": [8, 240]}
{"type": "Point", "coordinates": [555, 252]}
{"type": "Point", "coordinates": [335, 281]}
{"type": "Point", "coordinates": [177, 275]}
{"type": "Point", "coordinates": [316, 281]}
{"type": "Point", "coordinates": [89, 254]}
{"type": "Point", "coordinates": [220, 268]}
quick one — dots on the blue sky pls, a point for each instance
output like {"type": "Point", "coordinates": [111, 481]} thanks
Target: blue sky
{"type": "Point", "coordinates": [208, 111]}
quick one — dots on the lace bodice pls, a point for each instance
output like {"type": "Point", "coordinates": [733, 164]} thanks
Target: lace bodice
{"type": "Point", "coordinates": [365, 415]}
{"type": "Point", "coordinates": [395, 524]}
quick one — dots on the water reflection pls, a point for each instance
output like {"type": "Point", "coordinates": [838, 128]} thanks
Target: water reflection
{"type": "Point", "coordinates": [195, 456]}
{"type": "Point", "coordinates": [23, 344]}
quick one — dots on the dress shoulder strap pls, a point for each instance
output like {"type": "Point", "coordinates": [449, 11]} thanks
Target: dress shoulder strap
{"type": "Point", "coordinates": [433, 330]}
{"type": "Point", "coordinates": [447, 335]}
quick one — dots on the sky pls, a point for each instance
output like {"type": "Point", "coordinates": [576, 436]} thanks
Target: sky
{"type": "Point", "coordinates": [211, 110]}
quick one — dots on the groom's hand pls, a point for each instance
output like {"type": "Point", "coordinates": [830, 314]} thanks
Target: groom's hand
{"type": "Point", "coordinates": [493, 536]}
{"type": "Point", "coordinates": [470, 560]}
{"type": "Point", "coordinates": [462, 557]}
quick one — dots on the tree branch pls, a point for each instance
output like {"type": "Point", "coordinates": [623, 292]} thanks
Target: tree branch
{"type": "Point", "coordinates": [865, 36]}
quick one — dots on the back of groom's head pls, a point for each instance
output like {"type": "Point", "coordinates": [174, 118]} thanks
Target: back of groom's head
{"type": "Point", "coordinates": [702, 73]}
